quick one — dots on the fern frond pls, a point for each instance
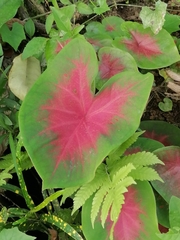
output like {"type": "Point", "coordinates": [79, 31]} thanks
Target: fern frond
{"type": "Point", "coordinates": [145, 174]}
{"type": "Point", "coordinates": [98, 199]}
{"type": "Point", "coordinates": [120, 174]}
{"type": "Point", "coordinates": [4, 175]}
{"type": "Point", "coordinates": [67, 192]}
{"type": "Point", "coordinates": [25, 162]}
{"type": "Point", "coordinates": [118, 201]}
{"type": "Point", "coordinates": [88, 189]}
{"type": "Point", "coordinates": [116, 154]}
{"type": "Point", "coordinates": [142, 159]}
{"type": "Point", "coordinates": [106, 205]}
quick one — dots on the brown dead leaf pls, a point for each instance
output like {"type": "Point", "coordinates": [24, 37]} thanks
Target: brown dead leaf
{"type": "Point", "coordinates": [173, 75]}
{"type": "Point", "coordinates": [53, 234]}
{"type": "Point", "coordinates": [174, 87]}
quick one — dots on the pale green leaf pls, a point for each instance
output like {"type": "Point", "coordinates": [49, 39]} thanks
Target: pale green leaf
{"type": "Point", "coordinates": [22, 75]}
{"type": "Point", "coordinates": [154, 18]}
{"type": "Point", "coordinates": [108, 200]}
{"type": "Point", "coordinates": [8, 9]}
{"type": "Point", "coordinates": [14, 234]}
{"type": "Point", "coordinates": [121, 173]}
{"type": "Point", "coordinates": [84, 8]}
{"type": "Point", "coordinates": [141, 159]}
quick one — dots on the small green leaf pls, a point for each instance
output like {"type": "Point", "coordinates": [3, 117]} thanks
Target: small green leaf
{"type": "Point", "coordinates": [15, 36]}
{"type": "Point", "coordinates": [166, 105]}
{"type": "Point", "coordinates": [154, 19]}
{"type": "Point", "coordinates": [49, 22]}
{"type": "Point", "coordinates": [171, 23]}
{"type": "Point", "coordinates": [1, 50]}
{"type": "Point", "coordinates": [14, 234]}
{"type": "Point", "coordinates": [35, 47]}
{"type": "Point", "coordinates": [30, 27]}
{"type": "Point", "coordinates": [84, 8]}
{"type": "Point", "coordinates": [8, 9]}
{"type": "Point", "coordinates": [174, 212]}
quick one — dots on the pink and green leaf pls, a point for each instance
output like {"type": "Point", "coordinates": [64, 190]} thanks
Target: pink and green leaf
{"type": "Point", "coordinates": [66, 128]}
{"type": "Point", "coordinates": [137, 219]}
{"type": "Point", "coordinates": [113, 61]}
{"type": "Point", "coordinates": [169, 172]}
{"type": "Point", "coordinates": [164, 132]}
{"type": "Point", "coordinates": [112, 25]}
{"type": "Point", "coordinates": [149, 50]}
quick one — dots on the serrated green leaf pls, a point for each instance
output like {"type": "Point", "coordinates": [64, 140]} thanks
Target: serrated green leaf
{"type": "Point", "coordinates": [88, 189]}
{"type": "Point", "coordinates": [108, 200]}
{"type": "Point", "coordinates": [141, 159]}
{"type": "Point", "coordinates": [15, 36]}
{"type": "Point", "coordinates": [154, 18]}
{"type": "Point", "coordinates": [121, 173]}
{"type": "Point", "coordinates": [98, 199]}
{"type": "Point", "coordinates": [8, 9]}
{"type": "Point", "coordinates": [145, 173]}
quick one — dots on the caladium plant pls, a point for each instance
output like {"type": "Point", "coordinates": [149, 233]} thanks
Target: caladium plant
{"type": "Point", "coordinates": [68, 129]}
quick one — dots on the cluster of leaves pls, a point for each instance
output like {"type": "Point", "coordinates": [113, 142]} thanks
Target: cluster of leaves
{"type": "Point", "coordinates": [78, 123]}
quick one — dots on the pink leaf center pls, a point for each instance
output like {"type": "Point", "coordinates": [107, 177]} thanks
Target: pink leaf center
{"type": "Point", "coordinates": [109, 66]}
{"type": "Point", "coordinates": [142, 45]}
{"type": "Point", "coordinates": [77, 118]}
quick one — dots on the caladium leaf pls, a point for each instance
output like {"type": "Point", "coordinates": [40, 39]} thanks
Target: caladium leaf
{"type": "Point", "coordinates": [149, 50]}
{"type": "Point", "coordinates": [66, 128]}
{"type": "Point", "coordinates": [112, 25]}
{"type": "Point", "coordinates": [166, 133]}
{"type": "Point", "coordinates": [169, 172]}
{"type": "Point", "coordinates": [113, 61]}
{"type": "Point", "coordinates": [137, 219]}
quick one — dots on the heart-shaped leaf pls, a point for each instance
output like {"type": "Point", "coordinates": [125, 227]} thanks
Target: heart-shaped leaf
{"type": "Point", "coordinates": [166, 105]}
{"type": "Point", "coordinates": [154, 18]}
{"type": "Point", "coordinates": [15, 36]}
{"type": "Point", "coordinates": [170, 172]}
{"type": "Point", "coordinates": [113, 61]}
{"type": "Point", "coordinates": [66, 128]}
{"type": "Point", "coordinates": [149, 50]}
{"type": "Point", "coordinates": [137, 219]}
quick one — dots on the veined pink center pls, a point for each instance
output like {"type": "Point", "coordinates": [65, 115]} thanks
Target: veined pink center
{"type": "Point", "coordinates": [142, 45]}
{"type": "Point", "coordinates": [77, 118]}
{"type": "Point", "coordinates": [109, 66]}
